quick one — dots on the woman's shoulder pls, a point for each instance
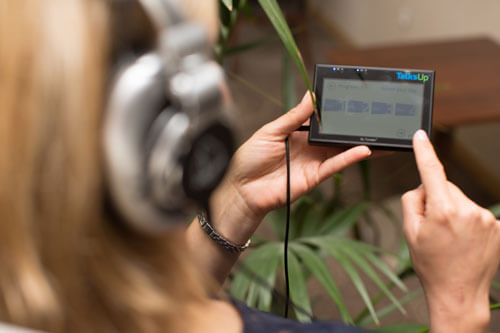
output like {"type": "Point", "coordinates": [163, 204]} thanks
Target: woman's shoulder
{"type": "Point", "coordinates": [255, 321]}
{"type": "Point", "coordinates": [214, 316]}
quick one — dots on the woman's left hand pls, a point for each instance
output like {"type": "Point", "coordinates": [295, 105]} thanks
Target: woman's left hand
{"type": "Point", "coordinates": [256, 181]}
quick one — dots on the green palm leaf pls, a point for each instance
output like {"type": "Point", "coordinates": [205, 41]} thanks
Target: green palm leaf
{"type": "Point", "coordinates": [356, 280]}
{"type": "Point", "coordinates": [385, 270]}
{"type": "Point", "coordinates": [306, 221]}
{"type": "Point", "coordinates": [298, 292]}
{"type": "Point", "coordinates": [317, 268]}
{"type": "Point", "coordinates": [248, 46]}
{"type": "Point", "coordinates": [495, 285]}
{"type": "Point", "coordinates": [306, 215]}
{"type": "Point", "coordinates": [404, 261]}
{"type": "Point", "coordinates": [276, 220]}
{"type": "Point", "coordinates": [252, 295]}
{"type": "Point", "coordinates": [228, 4]}
{"type": "Point", "coordinates": [263, 264]}
{"type": "Point", "coordinates": [340, 222]}
{"type": "Point", "coordinates": [287, 83]}
{"type": "Point", "coordinates": [275, 15]}
{"type": "Point", "coordinates": [495, 210]}
{"type": "Point", "coordinates": [344, 250]}
{"type": "Point", "coordinates": [240, 285]}
{"type": "Point", "coordinates": [370, 272]}
{"type": "Point", "coordinates": [366, 321]}
{"type": "Point", "coordinates": [402, 328]}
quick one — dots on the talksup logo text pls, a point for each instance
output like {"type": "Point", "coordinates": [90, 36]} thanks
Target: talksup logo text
{"type": "Point", "coordinates": [412, 77]}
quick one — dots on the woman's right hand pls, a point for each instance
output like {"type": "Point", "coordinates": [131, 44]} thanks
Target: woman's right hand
{"type": "Point", "coordinates": [255, 183]}
{"type": "Point", "coordinates": [454, 245]}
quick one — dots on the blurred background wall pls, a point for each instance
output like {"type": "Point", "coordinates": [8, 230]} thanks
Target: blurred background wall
{"type": "Point", "coordinates": [369, 23]}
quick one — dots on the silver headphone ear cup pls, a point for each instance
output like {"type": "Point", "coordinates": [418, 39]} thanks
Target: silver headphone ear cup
{"type": "Point", "coordinates": [188, 162]}
{"type": "Point", "coordinates": [167, 140]}
{"type": "Point", "coordinates": [192, 152]}
{"type": "Point", "coordinates": [136, 99]}
{"type": "Point", "coordinates": [165, 171]}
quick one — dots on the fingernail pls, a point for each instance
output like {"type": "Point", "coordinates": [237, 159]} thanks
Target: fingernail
{"type": "Point", "coordinates": [304, 99]}
{"type": "Point", "coordinates": [421, 135]}
{"type": "Point", "coordinates": [369, 151]}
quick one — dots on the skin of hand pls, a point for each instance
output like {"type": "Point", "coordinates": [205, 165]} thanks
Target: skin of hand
{"type": "Point", "coordinates": [454, 245]}
{"type": "Point", "coordinates": [256, 181]}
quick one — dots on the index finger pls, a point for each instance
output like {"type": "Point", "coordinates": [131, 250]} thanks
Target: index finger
{"type": "Point", "coordinates": [430, 168]}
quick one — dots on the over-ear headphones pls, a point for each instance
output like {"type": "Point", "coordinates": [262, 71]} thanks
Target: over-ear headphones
{"type": "Point", "coordinates": [167, 134]}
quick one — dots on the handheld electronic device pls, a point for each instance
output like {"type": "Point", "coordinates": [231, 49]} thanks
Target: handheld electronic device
{"type": "Point", "coordinates": [378, 107]}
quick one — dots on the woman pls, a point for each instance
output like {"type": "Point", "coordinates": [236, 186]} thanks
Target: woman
{"type": "Point", "coordinates": [68, 265]}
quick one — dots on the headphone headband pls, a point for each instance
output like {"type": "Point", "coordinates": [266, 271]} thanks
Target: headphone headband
{"type": "Point", "coordinates": [163, 13]}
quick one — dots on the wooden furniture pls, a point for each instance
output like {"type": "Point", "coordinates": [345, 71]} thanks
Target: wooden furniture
{"type": "Point", "coordinates": [467, 86]}
{"type": "Point", "coordinates": [467, 92]}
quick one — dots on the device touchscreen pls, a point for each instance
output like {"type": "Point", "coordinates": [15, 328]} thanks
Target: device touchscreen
{"type": "Point", "coordinates": [371, 108]}
{"type": "Point", "coordinates": [380, 107]}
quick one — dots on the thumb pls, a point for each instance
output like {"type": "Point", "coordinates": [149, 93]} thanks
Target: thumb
{"type": "Point", "coordinates": [293, 119]}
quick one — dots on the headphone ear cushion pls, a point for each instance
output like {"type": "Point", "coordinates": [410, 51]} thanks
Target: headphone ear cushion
{"type": "Point", "coordinates": [136, 99]}
{"type": "Point", "coordinates": [207, 162]}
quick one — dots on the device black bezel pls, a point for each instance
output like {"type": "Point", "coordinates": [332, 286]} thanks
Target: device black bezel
{"type": "Point", "coordinates": [374, 74]}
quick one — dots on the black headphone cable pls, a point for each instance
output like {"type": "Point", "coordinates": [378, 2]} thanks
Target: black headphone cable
{"type": "Point", "coordinates": [255, 276]}
{"type": "Point", "coordinates": [303, 128]}
{"type": "Point", "coordinates": [287, 227]}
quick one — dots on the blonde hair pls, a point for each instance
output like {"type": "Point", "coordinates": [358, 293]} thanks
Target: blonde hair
{"type": "Point", "coordinates": [65, 266]}
{"type": "Point", "coordinates": [204, 12]}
